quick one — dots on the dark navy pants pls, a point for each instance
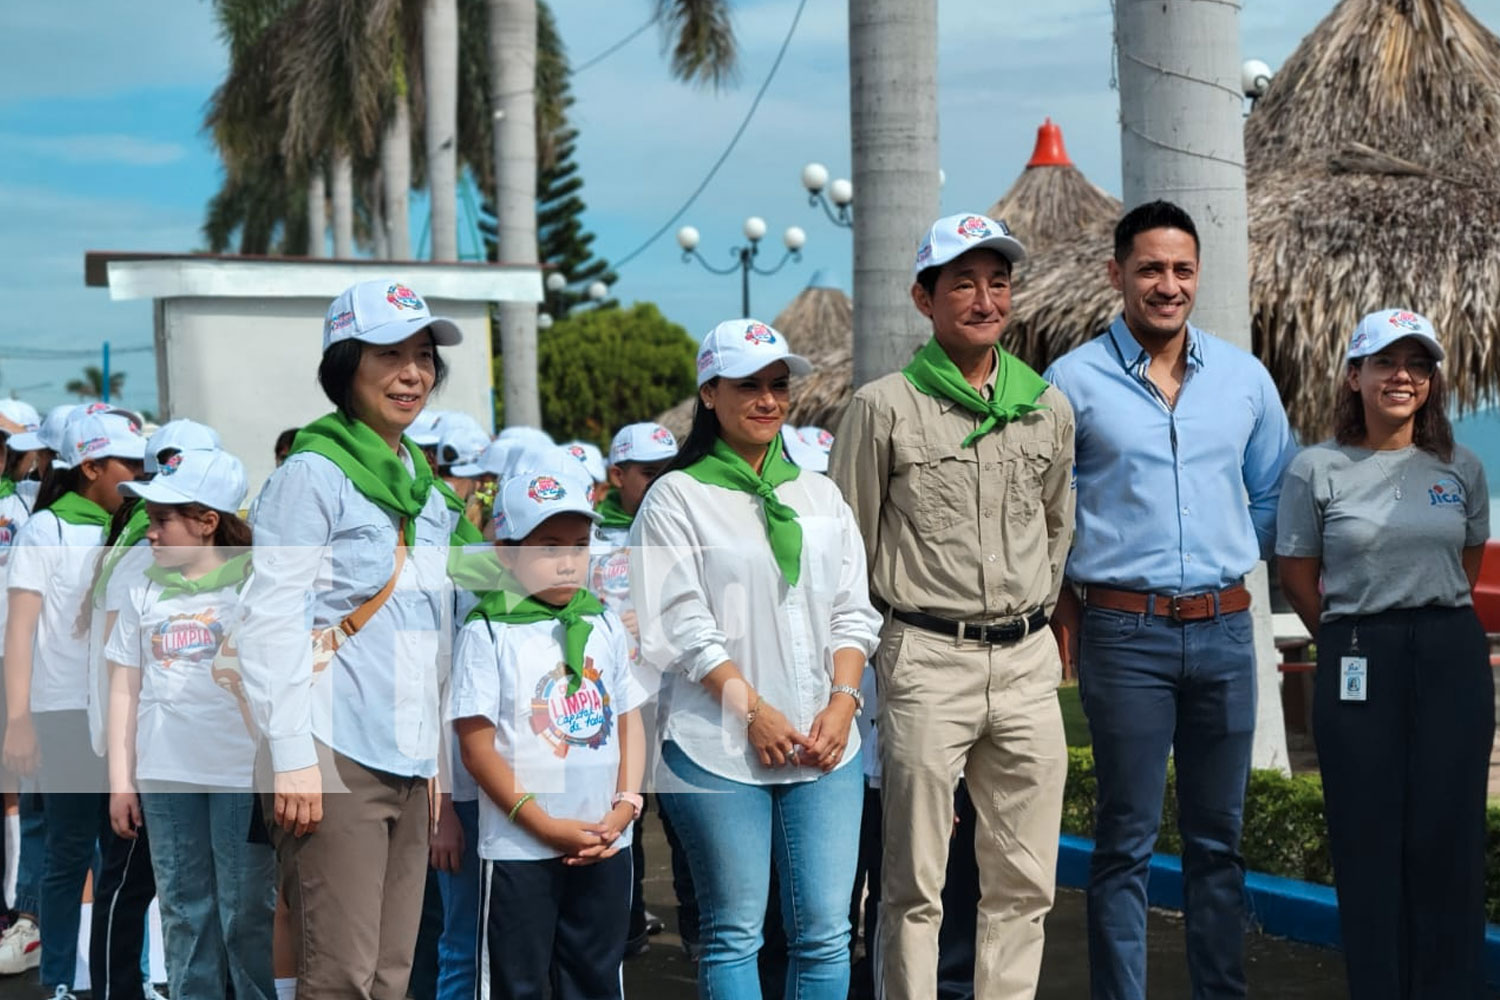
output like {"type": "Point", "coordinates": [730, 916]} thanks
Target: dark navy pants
{"type": "Point", "coordinates": [1150, 686]}
{"type": "Point", "coordinates": [1405, 774]}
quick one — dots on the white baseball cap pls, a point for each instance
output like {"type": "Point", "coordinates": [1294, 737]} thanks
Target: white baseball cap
{"type": "Point", "coordinates": [526, 434]}
{"type": "Point", "coordinates": [1380, 330]}
{"type": "Point", "coordinates": [424, 429]}
{"type": "Point", "coordinates": [21, 413]}
{"type": "Point", "coordinates": [955, 235]}
{"type": "Point", "coordinates": [817, 437]}
{"type": "Point", "coordinates": [216, 479]}
{"type": "Point", "coordinates": [740, 347]}
{"type": "Point", "coordinates": [803, 455]}
{"type": "Point", "coordinates": [180, 435]}
{"type": "Point", "coordinates": [524, 502]}
{"type": "Point", "coordinates": [587, 454]}
{"type": "Point", "coordinates": [384, 312]}
{"type": "Point", "coordinates": [554, 461]}
{"type": "Point", "coordinates": [460, 443]}
{"type": "Point", "coordinates": [643, 442]}
{"type": "Point", "coordinates": [52, 434]}
{"type": "Point", "coordinates": [103, 435]}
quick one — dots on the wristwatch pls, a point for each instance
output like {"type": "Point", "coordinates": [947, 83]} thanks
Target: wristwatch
{"type": "Point", "coordinates": [636, 802]}
{"type": "Point", "coordinates": [853, 692]}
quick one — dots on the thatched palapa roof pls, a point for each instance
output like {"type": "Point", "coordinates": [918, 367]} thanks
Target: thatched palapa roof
{"type": "Point", "coordinates": [819, 324]}
{"type": "Point", "coordinates": [1372, 166]}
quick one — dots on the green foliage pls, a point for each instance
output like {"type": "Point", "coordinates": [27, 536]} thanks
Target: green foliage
{"type": "Point", "coordinates": [603, 368]}
{"type": "Point", "coordinates": [91, 386]}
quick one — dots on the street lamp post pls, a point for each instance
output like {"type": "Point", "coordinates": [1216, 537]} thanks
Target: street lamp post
{"type": "Point", "coordinates": [755, 230]}
{"type": "Point", "coordinates": [840, 194]}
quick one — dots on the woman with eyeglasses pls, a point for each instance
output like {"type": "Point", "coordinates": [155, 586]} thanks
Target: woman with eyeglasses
{"type": "Point", "coordinates": [1380, 533]}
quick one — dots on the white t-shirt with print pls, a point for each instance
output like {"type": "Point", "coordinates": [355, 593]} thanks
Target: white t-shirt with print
{"type": "Point", "coordinates": [188, 728]}
{"type": "Point", "coordinates": [128, 573]}
{"type": "Point", "coordinates": [56, 559]}
{"type": "Point", "coordinates": [564, 748]}
{"type": "Point", "coordinates": [14, 512]}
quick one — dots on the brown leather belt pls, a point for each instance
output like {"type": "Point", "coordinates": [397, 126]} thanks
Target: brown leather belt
{"type": "Point", "coordinates": [1182, 607]}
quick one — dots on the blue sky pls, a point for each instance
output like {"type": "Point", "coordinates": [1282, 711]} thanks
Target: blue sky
{"type": "Point", "coordinates": [101, 106]}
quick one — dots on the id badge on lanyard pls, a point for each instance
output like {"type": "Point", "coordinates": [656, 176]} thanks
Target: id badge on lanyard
{"type": "Point", "coordinates": [1354, 672]}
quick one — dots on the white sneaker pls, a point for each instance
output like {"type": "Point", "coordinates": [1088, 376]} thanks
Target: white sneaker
{"type": "Point", "coordinates": [62, 993]}
{"type": "Point", "coordinates": [148, 991]}
{"type": "Point", "coordinates": [20, 947]}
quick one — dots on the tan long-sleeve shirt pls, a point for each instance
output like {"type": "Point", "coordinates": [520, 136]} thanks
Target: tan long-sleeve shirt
{"type": "Point", "coordinates": [969, 533]}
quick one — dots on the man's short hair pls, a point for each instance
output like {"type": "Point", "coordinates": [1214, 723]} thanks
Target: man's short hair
{"type": "Point", "coordinates": [1152, 215]}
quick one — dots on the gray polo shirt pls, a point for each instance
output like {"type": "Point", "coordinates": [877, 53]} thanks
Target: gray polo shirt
{"type": "Point", "coordinates": [1390, 526]}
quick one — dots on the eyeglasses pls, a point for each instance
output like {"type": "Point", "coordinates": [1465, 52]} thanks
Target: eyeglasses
{"type": "Point", "coordinates": [1419, 369]}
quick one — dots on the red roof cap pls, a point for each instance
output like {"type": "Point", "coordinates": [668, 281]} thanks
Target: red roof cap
{"type": "Point", "coordinates": [1049, 150]}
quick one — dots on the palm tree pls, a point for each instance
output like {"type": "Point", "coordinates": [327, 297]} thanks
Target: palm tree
{"type": "Point", "coordinates": [91, 386]}
{"type": "Point", "coordinates": [440, 76]}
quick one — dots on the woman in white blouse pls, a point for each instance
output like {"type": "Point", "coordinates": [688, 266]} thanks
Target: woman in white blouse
{"type": "Point", "coordinates": [749, 578]}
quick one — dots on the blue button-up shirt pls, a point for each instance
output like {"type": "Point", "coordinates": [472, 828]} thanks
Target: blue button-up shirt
{"type": "Point", "coordinates": [1172, 499]}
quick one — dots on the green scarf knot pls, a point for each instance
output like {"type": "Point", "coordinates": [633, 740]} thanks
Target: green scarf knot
{"type": "Point", "coordinates": [375, 469]}
{"type": "Point", "coordinates": [7, 487]}
{"type": "Point", "coordinates": [231, 573]}
{"type": "Point", "coordinates": [1017, 387]}
{"type": "Point", "coordinates": [724, 467]}
{"type": "Point", "coordinates": [508, 606]}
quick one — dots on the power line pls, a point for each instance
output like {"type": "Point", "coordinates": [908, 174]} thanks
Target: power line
{"type": "Point", "coordinates": [57, 354]}
{"type": "Point", "coordinates": [612, 49]}
{"type": "Point", "coordinates": [728, 150]}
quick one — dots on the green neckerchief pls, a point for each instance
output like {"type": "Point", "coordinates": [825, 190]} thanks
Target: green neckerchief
{"type": "Point", "coordinates": [613, 512]}
{"type": "Point", "coordinates": [724, 467]}
{"type": "Point", "coordinates": [135, 530]}
{"type": "Point", "coordinates": [511, 608]}
{"type": "Point", "coordinates": [1017, 387]}
{"type": "Point", "coordinates": [7, 487]}
{"type": "Point", "coordinates": [173, 584]}
{"type": "Point", "coordinates": [374, 469]}
{"type": "Point", "coordinates": [76, 509]}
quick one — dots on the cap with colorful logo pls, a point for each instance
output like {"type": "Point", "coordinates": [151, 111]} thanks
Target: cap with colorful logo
{"type": "Point", "coordinates": [96, 436]}
{"type": "Point", "coordinates": [214, 478]}
{"type": "Point", "coordinates": [587, 454]}
{"type": "Point", "coordinates": [740, 347]}
{"type": "Point", "coordinates": [384, 312]}
{"type": "Point", "coordinates": [180, 435]}
{"type": "Point", "coordinates": [803, 454]}
{"type": "Point", "coordinates": [1380, 330]}
{"type": "Point", "coordinates": [51, 434]}
{"type": "Point", "coordinates": [955, 235]}
{"type": "Point", "coordinates": [525, 501]}
{"type": "Point", "coordinates": [643, 442]}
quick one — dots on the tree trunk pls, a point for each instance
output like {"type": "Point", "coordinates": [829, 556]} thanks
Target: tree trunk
{"type": "Point", "coordinates": [395, 169]}
{"type": "Point", "coordinates": [512, 26]}
{"type": "Point", "coordinates": [343, 205]}
{"type": "Point", "coordinates": [893, 124]}
{"type": "Point", "coordinates": [1182, 139]}
{"type": "Point", "coordinates": [380, 240]}
{"type": "Point", "coordinates": [440, 69]}
{"type": "Point", "coordinates": [317, 212]}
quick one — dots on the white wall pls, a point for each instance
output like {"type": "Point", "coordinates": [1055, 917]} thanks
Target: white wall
{"type": "Point", "coordinates": [248, 368]}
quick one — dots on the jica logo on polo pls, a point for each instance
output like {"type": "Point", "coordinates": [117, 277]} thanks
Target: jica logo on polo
{"type": "Point", "coordinates": [1445, 492]}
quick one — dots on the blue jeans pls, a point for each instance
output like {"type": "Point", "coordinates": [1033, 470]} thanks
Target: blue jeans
{"type": "Point", "coordinates": [1152, 685]}
{"type": "Point", "coordinates": [217, 891]}
{"type": "Point", "coordinates": [458, 946]}
{"type": "Point", "coordinates": [33, 853]}
{"type": "Point", "coordinates": [729, 831]}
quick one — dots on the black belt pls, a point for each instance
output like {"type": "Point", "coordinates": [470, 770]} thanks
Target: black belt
{"type": "Point", "coordinates": [1013, 629]}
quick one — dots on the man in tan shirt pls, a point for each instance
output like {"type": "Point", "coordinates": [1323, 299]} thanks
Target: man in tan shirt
{"type": "Point", "coordinates": [959, 471]}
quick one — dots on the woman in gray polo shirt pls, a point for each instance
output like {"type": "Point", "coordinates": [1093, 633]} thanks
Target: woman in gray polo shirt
{"type": "Point", "coordinates": [1391, 517]}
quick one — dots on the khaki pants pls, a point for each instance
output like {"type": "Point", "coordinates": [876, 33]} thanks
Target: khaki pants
{"type": "Point", "coordinates": [991, 713]}
{"type": "Point", "coordinates": [354, 888]}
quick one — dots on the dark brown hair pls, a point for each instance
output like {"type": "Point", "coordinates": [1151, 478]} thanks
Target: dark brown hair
{"type": "Point", "coordinates": [1431, 430]}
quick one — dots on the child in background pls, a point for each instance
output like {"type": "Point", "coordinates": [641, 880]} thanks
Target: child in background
{"type": "Point", "coordinates": [46, 672]}
{"type": "Point", "coordinates": [546, 712]}
{"type": "Point", "coordinates": [178, 737]}
{"type": "Point", "coordinates": [637, 455]}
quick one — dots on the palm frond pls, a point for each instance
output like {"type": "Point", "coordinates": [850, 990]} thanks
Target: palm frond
{"type": "Point", "coordinates": [700, 37]}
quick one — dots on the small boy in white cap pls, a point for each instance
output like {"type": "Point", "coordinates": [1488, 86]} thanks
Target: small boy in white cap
{"type": "Point", "coordinates": [547, 716]}
{"type": "Point", "coordinates": [638, 454]}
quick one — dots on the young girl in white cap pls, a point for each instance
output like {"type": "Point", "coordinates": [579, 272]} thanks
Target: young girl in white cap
{"type": "Point", "coordinates": [46, 668]}
{"type": "Point", "coordinates": [180, 756]}
{"type": "Point", "coordinates": [547, 715]}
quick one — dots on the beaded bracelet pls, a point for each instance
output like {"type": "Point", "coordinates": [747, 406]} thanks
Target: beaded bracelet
{"type": "Point", "coordinates": [519, 803]}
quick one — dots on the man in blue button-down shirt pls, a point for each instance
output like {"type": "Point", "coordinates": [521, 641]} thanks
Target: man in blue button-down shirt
{"type": "Point", "coordinates": [1181, 443]}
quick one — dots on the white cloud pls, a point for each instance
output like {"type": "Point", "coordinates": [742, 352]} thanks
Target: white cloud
{"type": "Point", "coordinates": [127, 150]}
